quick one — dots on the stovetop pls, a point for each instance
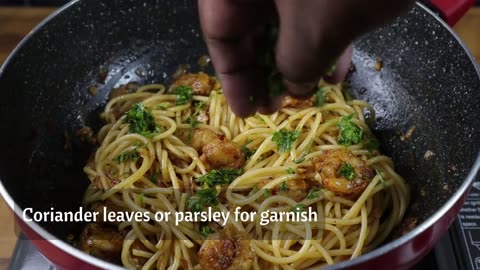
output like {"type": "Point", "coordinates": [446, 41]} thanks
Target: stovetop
{"type": "Point", "coordinates": [459, 249]}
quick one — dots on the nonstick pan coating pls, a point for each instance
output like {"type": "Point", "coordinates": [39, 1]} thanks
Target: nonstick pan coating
{"type": "Point", "coordinates": [428, 80]}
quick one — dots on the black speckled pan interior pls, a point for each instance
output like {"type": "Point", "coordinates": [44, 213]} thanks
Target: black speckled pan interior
{"type": "Point", "coordinates": [427, 81]}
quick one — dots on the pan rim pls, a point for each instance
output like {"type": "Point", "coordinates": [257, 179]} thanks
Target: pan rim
{"type": "Point", "coordinates": [94, 261]}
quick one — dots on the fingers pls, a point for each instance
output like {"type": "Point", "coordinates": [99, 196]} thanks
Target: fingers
{"type": "Point", "coordinates": [308, 44]}
{"type": "Point", "coordinates": [230, 28]}
{"type": "Point", "coordinates": [342, 66]}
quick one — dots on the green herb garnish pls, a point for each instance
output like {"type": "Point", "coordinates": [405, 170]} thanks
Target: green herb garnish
{"type": "Point", "coordinates": [300, 160]}
{"type": "Point", "coordinates": [247, 152]}
{"type": "Point", "coordinates": [267, 193]}
{"type": "Point", "coordinates": [206, 230]}
{"type": "Point", "coordinates": [298, 208]}
{"type": "Point", "coordinates": [154, 179]}
{"type": "Point", "coordinates": [219, 177]}
{"type": "Point", "coordinates": [132, 155]}
{"type": "Point", "coordinates": [346, 171]}
{"type": "Point", "coordinates": [319, 97]}
{"type": "Point", "coordinates": [372, 144]}
{"type": "Point", "coordinates": [283, 186]}
{"type": "Point", "coordinates": [285, 139]}
{"type": "Point", "coordinates": [162, 106]}
{"type": "Point", "coordinates": [290, 171]}
{"type": "Point", "coordinates": [382, 180]}
{"type": "Point", "coordinates": [201, 200]}
{"type": "Point", "coordinates": [140, 120]}
{"type": "Point", "coordinates": [184, 94]}
{"type": "Point", "coordinates": [313, 193]}
{"type": "Point", "coordinates": [350, 133]}
{"type": "Point", "coordinates": [141, 198]}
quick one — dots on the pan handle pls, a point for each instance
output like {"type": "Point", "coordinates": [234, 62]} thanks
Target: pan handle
{"type": "Point", "coordinates": [451, 10]}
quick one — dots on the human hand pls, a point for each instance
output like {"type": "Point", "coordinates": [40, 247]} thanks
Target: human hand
{"type": "Point", "coordinates": [313, 36]}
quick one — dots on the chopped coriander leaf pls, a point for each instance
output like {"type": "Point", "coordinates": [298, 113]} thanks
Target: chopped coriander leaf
{"type": "Point", "coordinates": [382, 180]}
{"type": "Point", "coordinates": [255, 189]}
{"type": "Point", "coordinates": [319, 97]}
{"type": "Point", "coordinates": [331, 71]}
{"type": "Point", "coordinates": [298, 208]}
{"type": "Point", "coordinates": [371, 144]}
{"type": "Point", "coordinates": [201, 200]}
{"type": "Point", "coordinates": [154, 178]}
{"type": "Point", "coordinates": [198, 107]}
{"type": "Point", "coordinates": [162, 106]}
{"type": "Point", "coordinates": [184, 94]}
{"type": "Point", "coordinates": [313, 193]}
{"type": "Point", "coordinates": [132, 155]}
{"type": "Point", "coordinates": [193, 122]}
{"type": "Point", "coordinates": [300, 160]}
{"type": "Point", "coordinates": [283, 186]}
{"type": "Point", "coordinates": [140, 120]}
{"type": "Point", "coordinates": [141, 198]}
{"type": "Point", "coordinates": [247, 152]}
{"type": "Point", "coordinates": [290, 171]}
{"type": "Point", "coordinates": [346, 171]}
{"type": "Point", "coordinates": [206, 230]}
{"type": "Point", "coordinates": [267, 193]}
{"type": "Point", "coordinates": [350, 133]}
{"type": "Point", "coordinates": [219, 177]}
{"type": "Point", "coordinates": [285, 139]}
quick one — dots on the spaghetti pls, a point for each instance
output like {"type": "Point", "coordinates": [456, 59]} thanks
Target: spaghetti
{"type": "Point", "coordinates": [182, 149]}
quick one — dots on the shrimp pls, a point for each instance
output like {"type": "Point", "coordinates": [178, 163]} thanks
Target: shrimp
{"type": "Point", "coordinates": [296, 189]}
{"type": "Point", "coordinates": [215, 151]}
{"type": "Point", "coordinates": [222, 154]}
{"type": "Point", "coordinates": [104, 242]}
{"type": "Point", "coordinates": [328, 166]}
{"type": "Point", "coordinates": [291, 102]}
{"type": "Point", "coordinates": [201, 83]}
{"type": "Point", "coordinates": [227, 250]}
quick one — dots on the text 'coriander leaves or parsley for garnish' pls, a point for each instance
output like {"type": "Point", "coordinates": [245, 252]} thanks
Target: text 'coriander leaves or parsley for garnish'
{"type": "Point", "coordinates": [219, 177]}
{"type": "Point", "coordinates": [346, 171]}
{"type": "Point", "coordinates": [298, 208]}
{"type": "Point", "coordinates": [140, 120]}
{"type": "Point", "coordinates": [203, 199]}
{"type": "Point", "coordinates": [206, 230]}
{"type": "Point", "coordinates": [350, 133]}
{"type": "Point", "coordinates": [247, 152]}
{"type": "Point", "coordinates": [132, 155]}
{"type": "Point", "coordinates": [285, 139]}
{"type": "Point", "coordinates": [319, 96]}
{"type": "Point", "coordinates": [184, 94]}
{"type": "Point", "coordinates": [313, 194]}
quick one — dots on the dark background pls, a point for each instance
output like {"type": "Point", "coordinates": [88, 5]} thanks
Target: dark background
{"type": "Point", "coordinates": [53, 2]}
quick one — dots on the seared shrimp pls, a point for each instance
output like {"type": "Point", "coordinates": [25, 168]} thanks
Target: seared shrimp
{"type": "Point", "coordinates": [227, 250]}
{"type": "Point", "coordinates": [222, 154]}
{"type": "Point", "coordinates": [291, 102]}
{"type": "Point", "coordinates": [102, 241]}
{"type": "Point", "coordinates": [215, 151]}
{"type": "Point", "coordinates": [296, 189]}
{"type": "Point", "coordinates": [329, 165]}
{"type": "Point", "coordinates": [201, 83]}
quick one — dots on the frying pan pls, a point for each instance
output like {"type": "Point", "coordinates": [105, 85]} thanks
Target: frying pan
{"type": "Point", "coordinates": [429, 80]}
